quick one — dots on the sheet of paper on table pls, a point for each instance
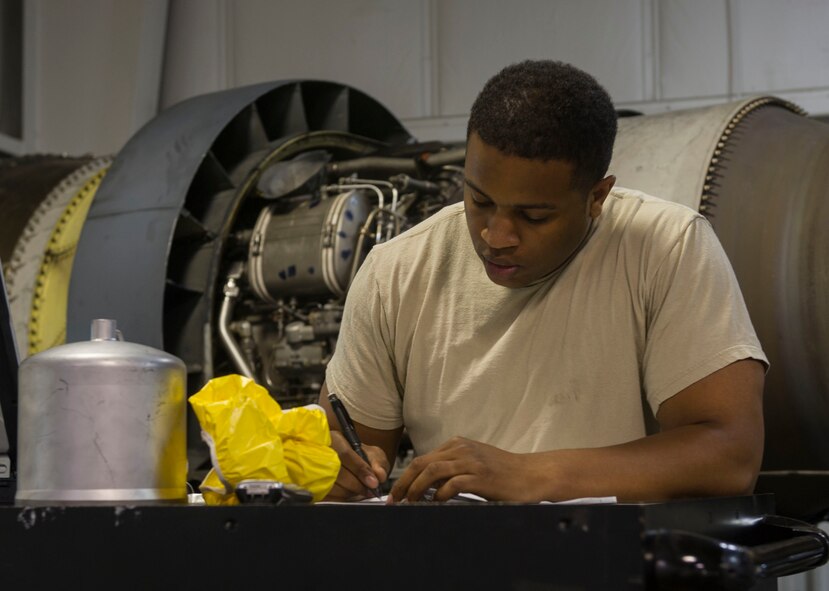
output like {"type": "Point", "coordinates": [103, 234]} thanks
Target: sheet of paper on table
{"type": "Point", "coordinates": [469, 498]}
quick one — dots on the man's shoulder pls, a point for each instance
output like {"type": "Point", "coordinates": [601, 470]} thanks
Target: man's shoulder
{"type": "Point", "coordinates": [640, 215]}
{"type": "Point", "coordinates": [433, 243]}
{"type": "Point", "coordinates": [641, 204]}
{"type": "Point", "coordinates": [434, 257]}
{"type": "Point", "coordinates": [444, 220]}
{"type": "Point", "coordinates": [445, 225]}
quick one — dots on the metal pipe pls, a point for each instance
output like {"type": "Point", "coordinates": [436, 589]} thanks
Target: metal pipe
{"type": "Point", "coordinates": [231, 293]}
{"type": "Point", "coordinates": [394, 196]}
{"type": "Point", "coordinates": [452, 156]}
{"type": "Point", "coordinates": [370, 187]}
{"type": "Point", "coordinates": [359, 249]}
{"type": "Point", "coordinates": [407, 183]}
{"type": "Point", "coordinates": [373, 164]}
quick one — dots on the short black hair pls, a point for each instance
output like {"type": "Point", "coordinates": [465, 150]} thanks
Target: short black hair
{"type": "Point", "coordinates": [548, 110]}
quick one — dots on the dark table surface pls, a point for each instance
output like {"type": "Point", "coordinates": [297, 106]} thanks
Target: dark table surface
{"type": "Point", "coordinates": [475, 546]}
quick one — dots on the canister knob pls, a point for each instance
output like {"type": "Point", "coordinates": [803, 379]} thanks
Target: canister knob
{"type": "Point", "coordinates": [105, 329]}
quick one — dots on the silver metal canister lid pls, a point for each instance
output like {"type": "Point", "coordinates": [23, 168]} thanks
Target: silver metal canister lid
{"type": "Point", "coordinates": [102, 421]}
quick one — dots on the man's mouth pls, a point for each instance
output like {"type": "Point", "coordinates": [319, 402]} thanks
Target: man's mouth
{"type": "Point", "coordinates": [501, 270]}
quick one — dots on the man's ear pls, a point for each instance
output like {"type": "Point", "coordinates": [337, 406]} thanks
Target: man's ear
{"type": "Point", "coordinates": [598, 194]}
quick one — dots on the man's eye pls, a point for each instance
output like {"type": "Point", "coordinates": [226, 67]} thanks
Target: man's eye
{"type": "Point", "coordinates": [535, 218]}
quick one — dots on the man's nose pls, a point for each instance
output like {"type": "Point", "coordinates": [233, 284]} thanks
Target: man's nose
{"type": "Point", "coordinates": [499, 232]}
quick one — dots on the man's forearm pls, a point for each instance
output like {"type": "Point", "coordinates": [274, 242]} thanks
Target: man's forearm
{"type": "Point", "coordinates": [692, 460]}
{"type": "Point", "coordinates": [711, 444]}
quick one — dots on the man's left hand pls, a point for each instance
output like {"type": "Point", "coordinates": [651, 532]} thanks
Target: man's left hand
{"type": "Point", "coordinates": [462, 465]}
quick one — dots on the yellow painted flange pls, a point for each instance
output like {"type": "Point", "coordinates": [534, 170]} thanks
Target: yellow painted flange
{"type": "Point", "coordinates": [47, 323]}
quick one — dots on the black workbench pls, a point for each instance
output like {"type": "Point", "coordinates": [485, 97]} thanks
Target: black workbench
{"type": "Point", "coordinates": [419, 546]}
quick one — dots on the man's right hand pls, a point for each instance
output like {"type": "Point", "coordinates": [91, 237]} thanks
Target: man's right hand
{"type": "Point", "coordinates": [356, 477]}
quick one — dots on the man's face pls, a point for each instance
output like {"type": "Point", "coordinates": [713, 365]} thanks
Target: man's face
{"type": "Point", "coordinates": [525, 217]}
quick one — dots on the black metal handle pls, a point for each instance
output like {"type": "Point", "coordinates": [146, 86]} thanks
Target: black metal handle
{"type": "Point", "coordinates": [685, 560]}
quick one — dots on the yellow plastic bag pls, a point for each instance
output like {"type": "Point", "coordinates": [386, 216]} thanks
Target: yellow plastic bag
{"type": "Point", "coordinates": [250, 436]}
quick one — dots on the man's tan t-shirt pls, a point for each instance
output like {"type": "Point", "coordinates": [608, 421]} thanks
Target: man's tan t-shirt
{"type": "Point", "coordinates": [649, 306]}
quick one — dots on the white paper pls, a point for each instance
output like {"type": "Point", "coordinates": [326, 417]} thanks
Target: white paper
{"type": "Point", "coordinates": [467, 498]}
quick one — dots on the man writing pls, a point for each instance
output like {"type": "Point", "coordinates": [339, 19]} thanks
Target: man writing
{"type": "Point", "coordinates": [518, 337]}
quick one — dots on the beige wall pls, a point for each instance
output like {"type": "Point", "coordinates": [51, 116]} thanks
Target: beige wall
{"type": "Point", "coordinates": [97, 69]}
{"type": "Point", "coordinates": [87, 69]}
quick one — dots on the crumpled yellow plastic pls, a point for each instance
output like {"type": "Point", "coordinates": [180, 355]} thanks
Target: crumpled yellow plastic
{"type": "Point", "coordinates": [250, 436]}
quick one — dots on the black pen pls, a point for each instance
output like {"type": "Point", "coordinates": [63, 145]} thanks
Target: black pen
{"type": "Point", "coordinates": [349, 432]}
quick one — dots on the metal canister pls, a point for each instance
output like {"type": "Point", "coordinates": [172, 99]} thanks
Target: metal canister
{"type": "Point", "coordinates": [102, 421]}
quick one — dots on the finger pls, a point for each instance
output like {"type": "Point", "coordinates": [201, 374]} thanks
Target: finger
{"type": "Point", "coordinates": [356, 475]}
{"type": "Point", "coordinates": [401, 486]}
{"type": "Point", "coordinates": [465, 483]}
{"type": "Point", "coordinates": [453, 443]}
{"type": "Point", "coordinates": [434, 475]}
{"type": "Point", "coordinates": [412, 471]}
{"type": "Point", "coordinates": [378, 462]}
{"type": "Point", "coordinates": [351, 482]}
{"type": "Point", "coordinates": [380, 467]}
{"type": "Point", "coordinates": [342, 494]}
{"type": "Point", "coordinates": [353, 463]}
{"type": "Point", "coordinates": [451, 450]}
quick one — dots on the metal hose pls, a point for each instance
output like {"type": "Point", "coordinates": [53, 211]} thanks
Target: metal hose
{"type": "Point", "coordinates": [231, 293]}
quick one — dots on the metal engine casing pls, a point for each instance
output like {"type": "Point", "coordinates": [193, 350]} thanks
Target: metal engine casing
{"type": "Point", "coordinates": [309, 251]}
